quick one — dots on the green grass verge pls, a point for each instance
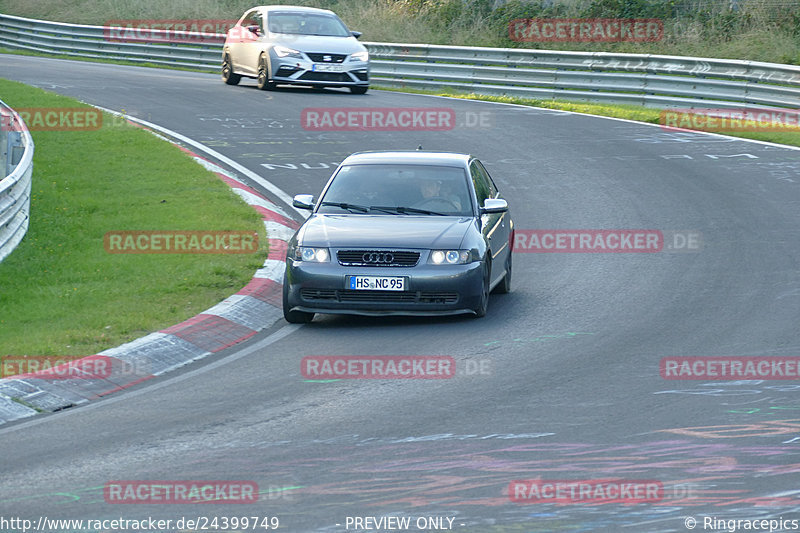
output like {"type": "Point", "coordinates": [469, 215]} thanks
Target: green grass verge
{"type": "Point", "coordinates": [629, 112]}
{"type": "Point", "coordinates": [61, 293]}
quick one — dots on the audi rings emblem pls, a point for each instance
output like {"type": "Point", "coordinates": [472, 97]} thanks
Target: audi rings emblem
{"type": "Point", "coordinates": [378, 257]}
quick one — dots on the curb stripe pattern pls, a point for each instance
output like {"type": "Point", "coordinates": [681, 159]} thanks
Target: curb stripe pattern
{"type": "Point", "coordinates": [255, 307]}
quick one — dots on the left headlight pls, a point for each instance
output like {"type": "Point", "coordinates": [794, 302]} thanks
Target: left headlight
{"type": "Point", "coordinates": [311, 255]}
{"type": "Point", "coordinates": [449, 257]}
{"type": "Point", "coordinates": [360, 56]}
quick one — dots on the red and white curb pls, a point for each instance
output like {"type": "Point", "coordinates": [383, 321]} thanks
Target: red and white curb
{"type": "Point", "coordinates": [237, 318]}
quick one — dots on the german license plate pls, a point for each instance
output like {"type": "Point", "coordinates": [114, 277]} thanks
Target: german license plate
{"type": "Point", "coordinates": [376, 283]}
{"type": "Point", "coordinates": [322, 67]}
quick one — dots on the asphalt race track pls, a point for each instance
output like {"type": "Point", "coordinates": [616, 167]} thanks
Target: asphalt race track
{"type": "Point", "coordinates": [560, 381]}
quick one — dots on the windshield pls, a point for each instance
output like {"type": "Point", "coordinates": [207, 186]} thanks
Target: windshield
{"type": "Point", "coordinates": [307, 24]}
{"type": "Point", "coordinates": [398, 190]}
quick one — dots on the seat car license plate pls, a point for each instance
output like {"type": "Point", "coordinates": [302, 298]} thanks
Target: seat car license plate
{"type": "Point", "coordinates": [321, 67]}
{"type": "Point", "coordinates": [376, 283]}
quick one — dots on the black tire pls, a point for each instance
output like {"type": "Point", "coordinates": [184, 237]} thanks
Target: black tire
{"type": "Point", "coordinates": [359, 89]}
{"type": "Point", "coordinates": [228, 75]}
{"type": "Point", "coordinates": [294, 317]}
{"type": "Point", "coordinates": [264, 83]}
{"type": "Point", "coordinates": [483, 306]}
{"type": "Point", "coordinates": [504, 287]}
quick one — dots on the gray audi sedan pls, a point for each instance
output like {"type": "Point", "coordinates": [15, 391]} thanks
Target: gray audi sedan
{"type": "Point", "coordinates": [295, 45]}
{"type": "Point", "coordinates": [400, 233]}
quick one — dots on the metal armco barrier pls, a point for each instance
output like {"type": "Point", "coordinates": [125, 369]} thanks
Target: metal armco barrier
{"type": "Point", "coordinates": [16, 167]}
{"type": "Point", "coordinates": [638, 79]}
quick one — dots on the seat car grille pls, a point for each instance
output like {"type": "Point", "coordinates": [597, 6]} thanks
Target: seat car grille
{"type": "Point", "coordinates": [320, 58]}
{"type": "Point", "coordinates": [378, 258]}
{"type": "Point", "coordinates": [345, 295]}
{"type": "Point", "coordinates": [325, 76]}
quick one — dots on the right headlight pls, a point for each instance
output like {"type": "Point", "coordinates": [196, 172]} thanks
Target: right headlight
{"type": "Point", "coordinates": [310, 254]}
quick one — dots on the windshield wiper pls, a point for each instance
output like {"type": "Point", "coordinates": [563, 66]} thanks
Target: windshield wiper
{"type": "Point", "coordinates": [349, 207]}
{"type": "Point", "coordinates": [405, 210]}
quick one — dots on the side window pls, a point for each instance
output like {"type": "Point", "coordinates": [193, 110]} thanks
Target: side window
{"type": "Point", "coordinates": [489, 181]}
{"type": "Point", "coordinates": [258, 20]}
{"type": "Point", "coordinates": [481, 182]}
{"type": "Point", "coordinates": [253, 18]}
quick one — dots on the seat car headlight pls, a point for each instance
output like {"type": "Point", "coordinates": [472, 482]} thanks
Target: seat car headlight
{"type": "Point", "coordinates": [311, 255]}
{"type": "Point", "coordinates": [282, 51]}
{"type": "Point", "coordinates": [449, 257]}
{"type": "Point", "coordinates": [360, 56]}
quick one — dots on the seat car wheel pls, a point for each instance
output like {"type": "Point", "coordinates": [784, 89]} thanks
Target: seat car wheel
{"type": "Point", "coordinates": [504, 287]}
{"type": "Point", "coordinates": [358, 90]}
{"type": "Point", "coordinates": [483, 307]}
{"type": "Point", "coordinates": [264, 83]}
{"type": "Point", "coordinates": [294, 317]}
{"type": "Point", "coordinates": [228, 76]}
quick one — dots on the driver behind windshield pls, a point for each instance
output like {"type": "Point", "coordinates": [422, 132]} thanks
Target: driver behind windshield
{"type": "Point", "coordinates": [433, 198]}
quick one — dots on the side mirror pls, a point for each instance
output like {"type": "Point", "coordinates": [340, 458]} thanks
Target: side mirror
{"type": "Point", "coordinates": [494, 205]}
{"type": "Point", "coordinates": [356, 34]}
{"type": "Point", "coordinates": [253, 29]}
{"type": "Point", "coordinates": [303, 201]}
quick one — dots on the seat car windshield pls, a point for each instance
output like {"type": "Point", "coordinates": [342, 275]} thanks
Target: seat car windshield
{"type": "Point", "coordinates": [398, 190]}
{"type": "Point", "coordinates": [307, 24]}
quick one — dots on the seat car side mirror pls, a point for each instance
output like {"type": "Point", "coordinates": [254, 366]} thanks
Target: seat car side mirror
{"type": "Point", "coordinates": [356, 34]}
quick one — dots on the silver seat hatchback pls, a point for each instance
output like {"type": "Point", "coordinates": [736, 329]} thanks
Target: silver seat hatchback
{"type": "Point", "coordinates": [295, 45]}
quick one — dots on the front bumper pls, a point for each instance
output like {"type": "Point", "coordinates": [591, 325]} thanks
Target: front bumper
{"type": "Point", "coordinates": [430, 289]}
{"type": "Point", "coordinates": [289, 70]}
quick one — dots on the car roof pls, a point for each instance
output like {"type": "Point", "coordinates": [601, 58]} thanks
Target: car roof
{"type": "Point", "coordinates": [409, 157]}
{"type": "Point", "coordinates": [293, 9]}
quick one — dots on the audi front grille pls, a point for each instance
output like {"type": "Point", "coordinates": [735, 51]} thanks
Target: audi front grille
{"type": "Point", "coordinates": [373, 258]}
{"type": "Point", "coordinates": [346, 295]}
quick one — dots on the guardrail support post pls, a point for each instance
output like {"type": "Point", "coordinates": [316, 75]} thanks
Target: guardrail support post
{"type": "Point", "coordinates": [5, 148]}
{"type": "Point", "coordinates": [14, 151]}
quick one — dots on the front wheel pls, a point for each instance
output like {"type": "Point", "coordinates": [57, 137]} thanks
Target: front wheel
{"type": "Point", "coordinates": [483, 306]}
{"type": "Point", "coordinates": [294, 317]}
{"type": "Point", "coordinates": [359, 89]}
{"type": "Point", "coordinates": [264, 83]}
{"type": "Point", "coordinates": [504, 287]}
{"type": "Point", "coordinates": [228, 75]}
